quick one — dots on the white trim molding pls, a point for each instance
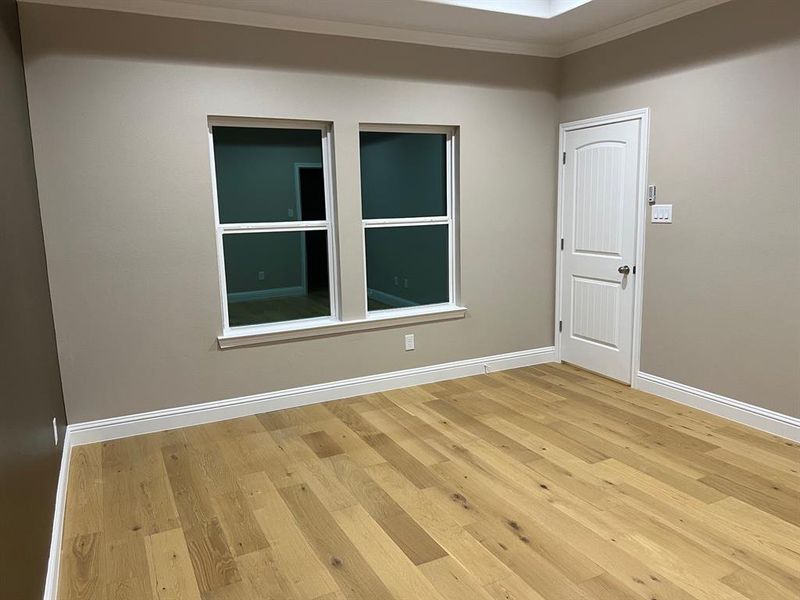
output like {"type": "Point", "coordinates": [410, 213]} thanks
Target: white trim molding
{"type": "Point", "coordinates": [198, 414]}
{"type": "Point", "coordinates": [59, 511]}
{"type": "Point", "coordinates": [722, 406]}
{"type": "Point", "coordinates": [256, 18]}
{"type": "Point", "coordinates": [220, 410]}
{"type": "Point", "coordinates": [210, 412]}
{"type": "Point", "coordinates": [450, 219]}
{"type": "Point", "coordinates": [647, 21]}
{"type": "Point", "coordinates": [324, 326]}
{"type": "Point", "coordinates": [325, 129]}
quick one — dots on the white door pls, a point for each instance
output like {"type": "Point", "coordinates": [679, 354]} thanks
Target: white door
{"type": "Point", "coordinates": [599, 216]}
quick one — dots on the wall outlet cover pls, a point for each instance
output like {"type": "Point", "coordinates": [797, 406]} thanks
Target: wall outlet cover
{"type": "Point", "coordinates": [409, 342]}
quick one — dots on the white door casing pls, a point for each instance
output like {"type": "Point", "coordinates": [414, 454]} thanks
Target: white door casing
{"type": "Point", "coordinates": [600, 215]}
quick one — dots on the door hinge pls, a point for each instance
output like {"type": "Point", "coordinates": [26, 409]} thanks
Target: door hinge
{"type": "Point", "coordinates": [563, 158]}
{"type": "Point", "coordinates": [562, 243]}
{"type": "Point", "coordinates": [560, 326]}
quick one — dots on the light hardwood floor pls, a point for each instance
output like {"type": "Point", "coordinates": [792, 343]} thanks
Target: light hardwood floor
{"type": "Point", "coordinates": [540, 483]}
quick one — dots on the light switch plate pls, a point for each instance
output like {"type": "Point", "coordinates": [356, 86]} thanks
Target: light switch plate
{"type": "Point", "coordinates": [661, 213]}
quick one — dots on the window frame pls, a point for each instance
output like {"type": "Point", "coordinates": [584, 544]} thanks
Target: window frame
{"type": "Point", "coordinates": [450, 219]}
{"type": "Point", "coordinates": [328, 225]}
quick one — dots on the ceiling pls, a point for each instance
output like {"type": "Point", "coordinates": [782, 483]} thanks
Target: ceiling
{"type": "Point", "coordinates": [533, 27]}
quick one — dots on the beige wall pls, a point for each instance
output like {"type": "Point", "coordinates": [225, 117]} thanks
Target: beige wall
{"type": "Point", "coordinates": [30, 388]}
{"type": "Point", "coordinates": [722, 284]}
{"type": "Point", "coordinates": [119, 105]}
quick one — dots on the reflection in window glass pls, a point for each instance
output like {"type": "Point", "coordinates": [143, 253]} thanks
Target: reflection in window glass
{"type": "Point", "coordinates": [407, 266]}
{"type": "Point", "coordinates": [260, 174]}
{"type": "Point", "coordinates": [276, 276]}
{"type": "Point", "coordinates": [403, 175]}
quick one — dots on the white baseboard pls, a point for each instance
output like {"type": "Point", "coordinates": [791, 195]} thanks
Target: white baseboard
{"type": "Point", "coordinates": [220, 410]}
{"type": "Point", "coordinates": [390, 299]}
{"type": "Point", "coordinates": [249, 296]}
{"type": "Point", "coordinates": [197, 414]}
{"type": "Point", "coordinates": [53, 562]}
{"type": "Point", "coordinates": [722, 406]}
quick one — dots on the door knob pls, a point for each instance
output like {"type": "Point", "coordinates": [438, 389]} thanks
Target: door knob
{"type": "Point", "coordinates": [625, 269]}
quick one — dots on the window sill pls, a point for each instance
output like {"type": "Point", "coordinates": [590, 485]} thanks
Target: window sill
{"type": "Point", "coordinates": [313, 328]}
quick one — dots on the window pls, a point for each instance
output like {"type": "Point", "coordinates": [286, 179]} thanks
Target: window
{"type": "Point", "coordinates": [407, 191]}
{"type": "Point", "coordinates": [273, 215]}
{"type": "Point", "coordinates": [275, 209]}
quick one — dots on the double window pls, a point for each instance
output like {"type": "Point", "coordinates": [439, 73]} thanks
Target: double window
{"type": "Point", "coordinates": [275, 222]}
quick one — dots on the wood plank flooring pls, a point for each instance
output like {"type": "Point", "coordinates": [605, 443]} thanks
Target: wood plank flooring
{"type": "Point", "coordinates": [544, 483]}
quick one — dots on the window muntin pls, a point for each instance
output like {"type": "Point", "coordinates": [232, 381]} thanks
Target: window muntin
{"type": "Point", "coordinates": [408, 190]}
{"type": "Point", "coordinates": [274, 226]}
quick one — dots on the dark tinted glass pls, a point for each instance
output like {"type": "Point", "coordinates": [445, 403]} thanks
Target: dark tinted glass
{"type": "Point", "coordinates": [268, 175]}
{"type": "Point", "coordinates": [281, 276]}
{"type": "Point", "coordinates": [407, 266]}
{"type": "Point", "coordinates": [403, 175]}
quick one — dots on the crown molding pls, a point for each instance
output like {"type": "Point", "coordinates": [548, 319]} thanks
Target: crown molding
{"type": "Point", "coordinates": [653, 19]}
{"type": "Point", "coordinates": [252, 18]}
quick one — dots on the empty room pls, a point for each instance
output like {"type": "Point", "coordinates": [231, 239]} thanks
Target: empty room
{"type": "Point", "coordinates": [400, 299]}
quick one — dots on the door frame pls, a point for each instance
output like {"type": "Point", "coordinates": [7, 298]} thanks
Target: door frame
{"type": "Point", "coordinates": [643, 116]}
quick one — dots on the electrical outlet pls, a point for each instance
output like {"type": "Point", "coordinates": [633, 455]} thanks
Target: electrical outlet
{"type": "Point", "coordinates": [405, 282]}
{"type": "Point", "coordinates": [396, 280]}
{"type": "Point", "coordinates": [261, 275]}
{"type": "Point", "coordinates": [409, 342]}
{"type": "Point", "coordinates": [55, 431]}
{"type": "Point", "coordinates": [291, 212]}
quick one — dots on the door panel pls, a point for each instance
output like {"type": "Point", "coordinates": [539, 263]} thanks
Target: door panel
{"type": "Point", "coordinates": [599, 229]}
{"type": "Point", "coordinates": [598, 198]}
{"type": "Point", "coordinates": [595, 311]}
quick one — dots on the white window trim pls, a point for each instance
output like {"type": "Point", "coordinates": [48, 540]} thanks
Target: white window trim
{"type": "Point", "coordinates": [450, 219]}
{"type": "Point", "coordinates": [313, 328]}
{"type": "Point", "coordinates": [328, 225]}
{"type": "Point", "coordinates": [248, 335]}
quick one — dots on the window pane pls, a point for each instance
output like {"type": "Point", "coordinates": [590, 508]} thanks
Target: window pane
{"type": "Point", "coordinates": [268, 175]}
{"type": "Point", "coordinates": [280, 276]}
{"type": "Point", "coordinates": [407, 266]}
{"type": "Point", "coordinates": [403, 175]}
